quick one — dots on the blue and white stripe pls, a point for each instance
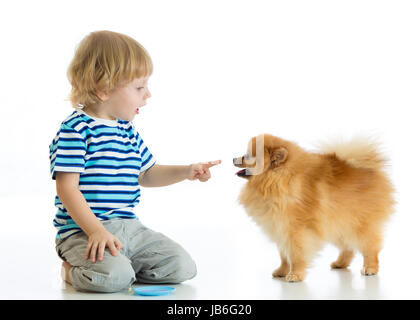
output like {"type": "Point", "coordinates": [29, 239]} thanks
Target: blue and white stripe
{"type": "Point", "coordinates": [109, 155]}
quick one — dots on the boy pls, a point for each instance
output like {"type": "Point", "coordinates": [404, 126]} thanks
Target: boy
{"type": "Point", "coordinates": [99, 160]}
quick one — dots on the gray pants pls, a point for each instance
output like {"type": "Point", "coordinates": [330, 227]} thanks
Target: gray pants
{"type": "Point", "coordinates": [146, 256]}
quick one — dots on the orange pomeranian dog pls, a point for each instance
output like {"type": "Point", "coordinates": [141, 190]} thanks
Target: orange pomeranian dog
{"type": "Point", "coordinates": [303, 200]}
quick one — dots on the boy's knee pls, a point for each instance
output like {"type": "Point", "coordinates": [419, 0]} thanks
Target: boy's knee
{"type": "Point", "coordinates": [185, 269]}
{"type": "Point", "coordinates": [177, 269]}
{"type": "Point", "coordinates": [113, 274]}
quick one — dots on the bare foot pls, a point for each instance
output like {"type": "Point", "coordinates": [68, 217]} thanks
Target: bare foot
{"type": "Point", "coordinates": [65, 271]}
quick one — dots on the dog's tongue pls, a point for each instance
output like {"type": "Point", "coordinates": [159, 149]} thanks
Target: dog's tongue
{"type": "Point", "coordinates": [240, 172]}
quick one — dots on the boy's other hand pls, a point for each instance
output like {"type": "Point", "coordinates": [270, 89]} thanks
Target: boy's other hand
{"type": "Point", "coordinates": [201, 171]}
{"type": "Point", "coordinates": [98, 241]}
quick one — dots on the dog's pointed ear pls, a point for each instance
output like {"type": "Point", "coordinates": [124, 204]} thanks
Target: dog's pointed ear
{"type": "Point", "coordinates": [278, 156]}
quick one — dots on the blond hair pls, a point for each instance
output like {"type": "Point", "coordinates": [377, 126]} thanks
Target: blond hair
{"type": "Point", "coordinates": [103, 61]}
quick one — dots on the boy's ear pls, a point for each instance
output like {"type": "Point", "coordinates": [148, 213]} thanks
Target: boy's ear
{"type": "Point", "coordinates": [103, 96]}
{"type": "Point", "coordinates": [278, 156]}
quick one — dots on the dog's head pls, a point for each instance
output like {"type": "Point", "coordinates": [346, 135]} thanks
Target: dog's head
{"type": "Point", "coordinates": [265, 152]}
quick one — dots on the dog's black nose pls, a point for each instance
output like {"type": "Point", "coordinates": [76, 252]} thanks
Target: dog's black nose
{"type": "Point", "coordinates": [237, 160]}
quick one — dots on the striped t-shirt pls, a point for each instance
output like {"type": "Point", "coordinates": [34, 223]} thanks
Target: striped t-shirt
{"type": "Point", "coordinates": [109, 155]}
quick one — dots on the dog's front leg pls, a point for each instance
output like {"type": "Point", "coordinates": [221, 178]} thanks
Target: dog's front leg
{"type": "Point", "coordinates": [298, 263]}
{"type": "Point", "coordinates": [284, 268]}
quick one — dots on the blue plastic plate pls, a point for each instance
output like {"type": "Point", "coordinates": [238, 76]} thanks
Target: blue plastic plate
{"type": "Point", "coordinates": [153, 291]}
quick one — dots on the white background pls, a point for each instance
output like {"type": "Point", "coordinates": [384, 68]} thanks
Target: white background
{"type": "Point", "coordinates": [224, 71]}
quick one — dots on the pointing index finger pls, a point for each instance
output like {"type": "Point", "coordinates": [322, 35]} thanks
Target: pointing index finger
{"type": "Point", "coordinates": [213, 163]}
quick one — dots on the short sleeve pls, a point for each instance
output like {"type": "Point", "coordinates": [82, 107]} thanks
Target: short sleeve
{"type": "Point", "coordinates": [147, 158]}
{"type": "Point", "coordinates": [67, 151]}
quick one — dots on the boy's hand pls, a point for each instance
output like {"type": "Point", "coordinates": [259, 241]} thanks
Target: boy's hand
{"type": "Point", "coordinates": [100, 239]}
{"type": "Point", "coordinates": [201, 171]}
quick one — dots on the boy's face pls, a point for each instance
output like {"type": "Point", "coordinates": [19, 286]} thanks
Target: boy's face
{"type": "Point", "coordinates": [124, 103]}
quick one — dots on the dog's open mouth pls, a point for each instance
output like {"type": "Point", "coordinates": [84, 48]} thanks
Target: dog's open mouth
{"type": "Point", "coordinates": [241, 173]}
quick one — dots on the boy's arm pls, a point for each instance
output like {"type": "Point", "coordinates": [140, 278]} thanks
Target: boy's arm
{"type": "Point", "coordinates": [68, 191]}
{"type": "Point", "coordinates": [67, 185]}
{"type": "Point", "coordinates": [163, 175]}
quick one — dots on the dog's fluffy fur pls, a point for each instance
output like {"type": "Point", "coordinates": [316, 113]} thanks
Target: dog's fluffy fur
{"type": "Point", "coordinates": [303, 200]}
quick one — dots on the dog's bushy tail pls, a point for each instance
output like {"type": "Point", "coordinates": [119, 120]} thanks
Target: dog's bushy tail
{"type": "Point", "coordinates": [360, 152]}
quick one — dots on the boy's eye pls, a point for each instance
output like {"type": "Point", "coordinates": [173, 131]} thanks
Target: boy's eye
{"type": "Point", "coordinates": [140, 88]}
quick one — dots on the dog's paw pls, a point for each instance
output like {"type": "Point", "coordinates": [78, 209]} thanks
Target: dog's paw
{"type": "Point", "coordinates": [369, 271]}
{"type": "Point", "coordinates": [294, 277]}
{"type": "Point", "coordinates": [280, 272]}
{"type": "Point", "coordinates": [338, 265]}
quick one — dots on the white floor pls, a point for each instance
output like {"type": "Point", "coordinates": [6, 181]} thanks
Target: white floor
{"type": "Point", "coordinates": [234, 260]}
